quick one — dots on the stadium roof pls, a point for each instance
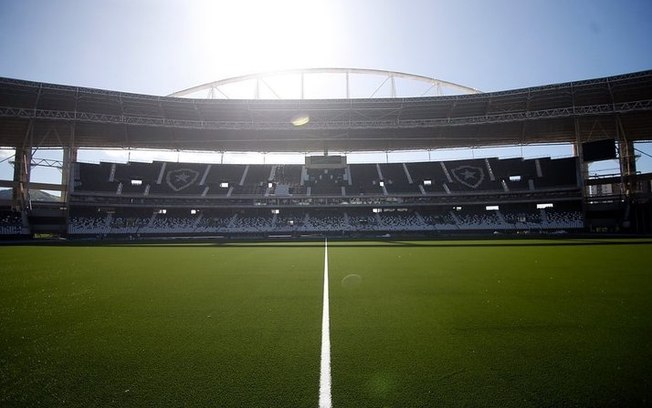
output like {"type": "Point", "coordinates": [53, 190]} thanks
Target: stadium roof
{"type": "Point", "coordinates": [52, 115]}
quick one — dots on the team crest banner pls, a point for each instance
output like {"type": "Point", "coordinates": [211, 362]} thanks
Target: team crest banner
{"type": "Point", "coordinates": [469, 176]}
{"type": "Point", "coordinates": [181, 179]}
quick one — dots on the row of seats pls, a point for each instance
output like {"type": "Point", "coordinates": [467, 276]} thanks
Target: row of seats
{"type": "Point", "coordinates": [446, 177]}
{"type": "Point", "coordinates": [326, 221]}
{"type": "Point", "coordinates": [11, 223]}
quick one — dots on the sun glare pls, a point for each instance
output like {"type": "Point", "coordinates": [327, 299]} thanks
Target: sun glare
{"type": "Point", "coordinates": [263, 36]}
{"type": "Point", "coordinates": [300, 120]}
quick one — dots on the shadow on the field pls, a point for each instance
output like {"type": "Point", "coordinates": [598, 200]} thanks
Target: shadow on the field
{"type": "Point", "coordinates": [354, 244]}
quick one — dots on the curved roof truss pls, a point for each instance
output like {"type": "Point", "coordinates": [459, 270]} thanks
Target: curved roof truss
{"type": "Point", "coordinates": [214, 88]}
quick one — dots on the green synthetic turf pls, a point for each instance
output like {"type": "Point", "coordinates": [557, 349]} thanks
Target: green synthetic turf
{"type": "Point", "coordinates": [491, 323]}
{"type": "Point", "coordinates": [159, 327]}
{"type": "Point", "coordinates": [492, 326]}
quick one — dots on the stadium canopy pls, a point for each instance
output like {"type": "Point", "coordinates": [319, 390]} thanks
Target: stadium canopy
{"type": "Point", "coordinates": [47, 115]}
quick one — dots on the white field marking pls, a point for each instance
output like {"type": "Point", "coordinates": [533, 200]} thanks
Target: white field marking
{"type": "Point", "coordinates": [325, 367]}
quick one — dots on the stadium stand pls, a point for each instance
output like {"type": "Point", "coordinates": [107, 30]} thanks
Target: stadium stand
{"type": "Point", "coordinates": [222, 179]}
{"type": "Point", "coordinates": [179, 178]}
{"type": "Point", "coordinates": [366, 180]}
{"type": "Point", "coordinates": [514, 174]}
{"type": "Point", "coordinates": [429, 176]}
{"type": "Point", "coordinates": [329, 182]}
{"type": "Point", "coordinates": [469, 176]}
{"type": "Point", "coordinates": [287, 180]}
{"type": "Point", "coordinates": [325, 221]}
{"type": "Point", "coordinates": [96, 178]}
{"type": "Point", "coordinates": [10, 223]}
{"type": "Point", "coordinates": [557, 173]}
{"type": "Point", "coordinates": [136, 177]}
{"type": "Point", "coordinates": [255, 181]}
{"type": "Point", "coordinates": [397, 180]}
{"type": "Point", "coordinates": [144, 199]}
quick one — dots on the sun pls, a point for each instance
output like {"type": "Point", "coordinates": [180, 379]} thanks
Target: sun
{"type": "Point", "coordinates": [257, 36]}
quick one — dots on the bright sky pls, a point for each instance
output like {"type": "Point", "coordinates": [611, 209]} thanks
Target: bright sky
{"type": "Point", "coordinates": [161, 46]}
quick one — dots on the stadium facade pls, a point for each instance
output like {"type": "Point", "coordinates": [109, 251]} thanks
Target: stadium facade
{"type": "Point", "coordinates": [327, 195]}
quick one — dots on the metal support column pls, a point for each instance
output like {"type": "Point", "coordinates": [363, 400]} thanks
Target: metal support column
{"type": "Point", "coordinates": [22, 167]}
{"type": "Point", "coordinates": [67, 177]}
{"type": "Point", "coordinates": [627, 165]}
{"type": "Point", "coordinates": [577, 152]}
{"type": "Point", "coordinates": [583, 169]}
{"type": "Point", "coordinates": [627, 160]}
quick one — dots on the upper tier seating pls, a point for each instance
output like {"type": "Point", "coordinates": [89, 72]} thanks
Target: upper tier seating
{"type": "Point", "coordinates": [144, 174]}
{"type": "Point", "coordinates": [365, 180]}
{"type": "Point", "coordinates": [326, 181]}
{"type": "Point", "coordinates": [557, 173]}
{"type": "Point", "coordinates": [179, 178]}
{"type": "Point", "coordinates": [232, 180]}
{"type": "Point", "coordinates": [396, 180]}
{"type": "Point", "coordinates": [95, 178]}
{"type": "Point", "coordinates": [519, 170]}
{"type": "Point", "coordinates": [223, 178]}
{"type": "Point", "coordinates": [287, 180]}
{"type": "Point", "coordinates": [255, 181]}
{"type": "Point", "coordinates": [430, 176]}
{"type": "Point", "coordinates": [470, 176]}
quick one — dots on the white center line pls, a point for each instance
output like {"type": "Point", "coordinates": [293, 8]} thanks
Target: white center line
{"type": "Point", "coordinates": [325, 367]}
